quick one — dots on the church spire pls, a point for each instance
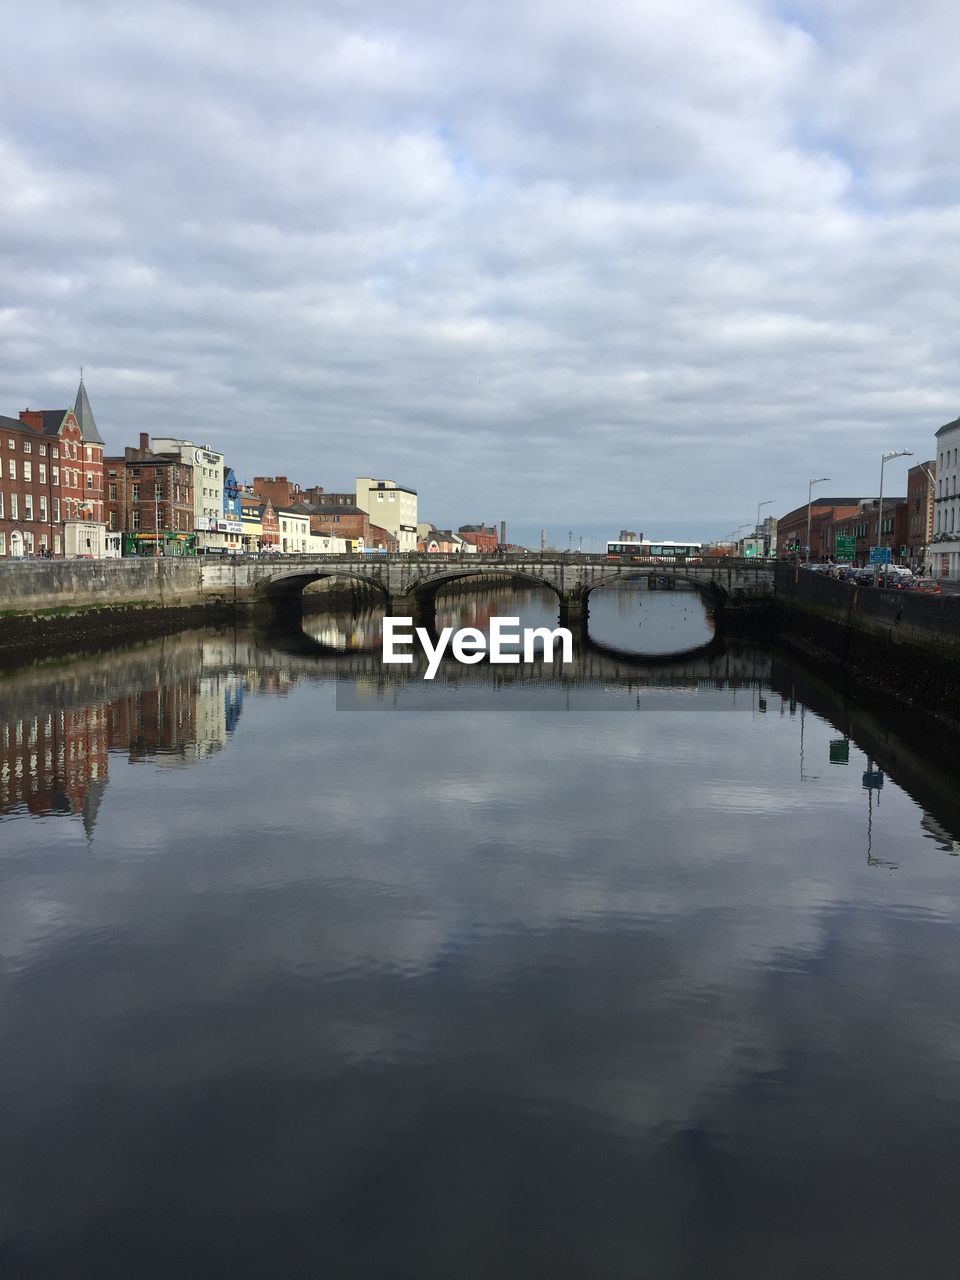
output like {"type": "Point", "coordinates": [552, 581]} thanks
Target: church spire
{"type": "Point", "coordinates": [84, 415]}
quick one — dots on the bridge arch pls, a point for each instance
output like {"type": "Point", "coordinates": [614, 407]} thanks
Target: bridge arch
{"type": "Point", "coordinates": [711, 592]}
{"type": "Point", "coordinates": [284, 590]}
{"type": "Point", "coordinates": [428, 589]}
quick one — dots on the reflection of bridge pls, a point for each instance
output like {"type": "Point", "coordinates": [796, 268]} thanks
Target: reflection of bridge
{"type": "Point", "coordinates": [410, 584]}
{"type": "Point", "coordinates": [713, 663]}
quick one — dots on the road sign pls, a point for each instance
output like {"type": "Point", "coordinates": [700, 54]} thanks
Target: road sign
{"type": "Point", "coordinates": [879, 555]}
{"type": "Point", "coordinates": [846, 547]}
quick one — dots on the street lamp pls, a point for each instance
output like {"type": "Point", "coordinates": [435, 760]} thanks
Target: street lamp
{"type": "Point", "coordinates": [884, 459]}
{"type": "Point", "coordinates": [821, 480]}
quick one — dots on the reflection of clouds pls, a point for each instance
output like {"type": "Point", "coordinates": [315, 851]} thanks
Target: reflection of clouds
{"type": "Point", "coordinates": [607, 917]}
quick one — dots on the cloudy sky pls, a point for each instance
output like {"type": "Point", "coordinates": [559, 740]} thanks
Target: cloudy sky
{"type": "Point", "coordinates": [582, 266]}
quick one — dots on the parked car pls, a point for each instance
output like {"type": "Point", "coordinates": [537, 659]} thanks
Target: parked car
{"type": "Point", "coordinates": [929, 586]}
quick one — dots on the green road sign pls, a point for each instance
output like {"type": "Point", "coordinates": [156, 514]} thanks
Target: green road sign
{"type": "Point", "coordinates": [846, 547]}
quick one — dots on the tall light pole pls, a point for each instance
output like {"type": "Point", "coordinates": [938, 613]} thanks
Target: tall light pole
{"type": "Point", "coordinates": [884, 459]}
{"type": "Point", "coordinates": [821, 480]}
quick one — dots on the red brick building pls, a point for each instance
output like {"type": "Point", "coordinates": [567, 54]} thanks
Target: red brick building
{"type": "Point", "coordinates": [150, 500]}
{"type": "Point", "coordinates": [281, 491]}
{"type": "Point", "coordinates": [824, 512]}
{"type": "Point", "coordinates": [483, 538]}
{"type": "Point", "coordinates": [863, 527]}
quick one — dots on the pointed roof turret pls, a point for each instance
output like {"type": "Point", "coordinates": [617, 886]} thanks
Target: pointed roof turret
{"type": "Point", "coordinates": [84, 415]}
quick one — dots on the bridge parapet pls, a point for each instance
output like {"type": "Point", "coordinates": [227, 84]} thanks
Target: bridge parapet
{"type": "Point", "coordinates": [415, 580]}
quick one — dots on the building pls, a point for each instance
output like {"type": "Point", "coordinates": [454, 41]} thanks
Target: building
{"type": "Point", "coordinates": [390, 506]}
{"type": "Point", "coordinates": [261, 529]}
{"type": "Point", "coordinates": [281, 491]}
{"type": "Point", "coordinates": [945, 548]}
{"type": "Point", "coordinates": [207, 466]}
{"type": "Point", "coordinates": [294, 530]}
{"type": "Point", "coordinates": [481, 537]}
{"type": "Point", "coordinates": [231, 525]}
{"type": "Point", "coordinates": [863, 528]}
{"type": "Point", "coordinates": [339, 520]}
{"type": "Point", "coordinates": [921, 502]}
{"type": "Point", "coordinates": [52, 486]}
{"type": "Point", "coordinates": [31, 506]}
{"type": "Point", "coordinates": [433, 541]}
{"type": "Point", "coordinates": [824, 512]}
{"type": "Point", "coordinates": [150, 501]}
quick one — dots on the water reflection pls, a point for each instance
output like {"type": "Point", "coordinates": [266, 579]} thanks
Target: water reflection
{"type": "Point", "coordinates": [632, 618]}
{"type": "Point", "coordinates": [570, 995]}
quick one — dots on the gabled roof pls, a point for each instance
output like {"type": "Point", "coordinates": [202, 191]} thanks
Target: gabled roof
{"type": "Point", "coordinates": [84, 415]}
{"type": "Point", "coordinates": [14, 424]}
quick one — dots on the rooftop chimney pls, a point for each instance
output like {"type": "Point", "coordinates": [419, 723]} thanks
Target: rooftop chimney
{"type": "Point", "coordinates": [145, 441]}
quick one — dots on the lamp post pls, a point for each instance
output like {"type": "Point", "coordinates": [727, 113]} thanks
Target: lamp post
{"type": "Point", "coordinates": [884, 459]}
{"type": "Point", "coordinates": [821, 480]}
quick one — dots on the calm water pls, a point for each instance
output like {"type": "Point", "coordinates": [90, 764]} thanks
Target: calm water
{"type": "Point", "coordinates": [634, 978]}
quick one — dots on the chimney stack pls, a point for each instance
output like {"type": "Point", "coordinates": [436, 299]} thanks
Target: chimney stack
{"type": "Point", "coordinates": [145, 441]}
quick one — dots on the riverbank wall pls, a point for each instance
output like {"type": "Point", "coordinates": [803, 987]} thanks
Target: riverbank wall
{"type": "Point", "coordinates": [45, 605]}
{"type": "Point", "coordinates": [902, 644]}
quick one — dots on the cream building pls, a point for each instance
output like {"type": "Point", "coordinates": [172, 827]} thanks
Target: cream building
{"type": "Point", "coordinates": [944, 552]}
{"type": "Point", "coordinates": [208, 518]}
{"type": "Point", "coordinates": [391, 506]}
{"type": "Point", "coordinates": [294, 531]}
{"type": "Point", "coordinates": [325, 544]}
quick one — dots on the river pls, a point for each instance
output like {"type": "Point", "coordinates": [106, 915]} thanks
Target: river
{"type": "Point", "coordinates": [314, 968]}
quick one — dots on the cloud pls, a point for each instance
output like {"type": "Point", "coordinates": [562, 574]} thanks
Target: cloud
{"type": "Point", "coordinates": [631, 264]}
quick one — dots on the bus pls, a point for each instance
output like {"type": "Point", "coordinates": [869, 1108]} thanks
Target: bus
{"type": "Point", "coordinates": [659, 551]}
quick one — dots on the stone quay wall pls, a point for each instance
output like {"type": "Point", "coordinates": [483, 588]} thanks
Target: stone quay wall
{"type": "Point", "coordinates": [903, 643]}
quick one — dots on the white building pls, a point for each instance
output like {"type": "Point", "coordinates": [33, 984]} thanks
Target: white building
{"type": "Point", "coordinates": [391, 506]}
{"type": "Point", "coordinates": [208, 518]}
{"type": "Point", "coordinates": [294, 531]}
{"type": "Point", "coordinates": [324, 544]}
{"type": "Point", "coordinates": [944, 551]}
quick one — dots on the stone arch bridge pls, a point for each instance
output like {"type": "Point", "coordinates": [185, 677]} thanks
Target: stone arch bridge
{"type": "Point", "coordinates": [410, 584]}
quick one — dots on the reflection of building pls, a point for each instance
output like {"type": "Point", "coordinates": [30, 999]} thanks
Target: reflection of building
{"type": "Point", "coordinates": [177, 722]}
{"type": "Point", "coordinates": [55, 762]}
{"type": "Point", "coordinates": [933, 830]}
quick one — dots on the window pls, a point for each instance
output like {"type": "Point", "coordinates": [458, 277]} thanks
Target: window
{"type": "Point", "coordinates": [89, 454]}
{"type": "Point", "coordinates": [14, 513]}
{"type": "Point", "coordinates": [28, 506]}
{"type": "Point", "coordinates": [135, 494]}
{"type": "Point", "coordinates": [56, 452]}
{"type": "Point", "coordinates": [10, 443]}
{"type": "Point", "coordinates": [56, 544]}
{"type": "Point", "coordinates": [3, 543]}
{"type": "Point", "coordinates": [113, 493]}
{"type": "Point", "coordinates": [43, 507]}
{"type": "Point", "coordinates": [56, 511]}
{"type": "Point", "coordinates": [12, 468]}
{"type": "Point", "coordinates": [1, 506]}
{"type": "Point", "coordinates": [43, 473]}
{"type": "Point", "coordinates": [28, 472]}
{"type": "Point", "coordinates": [55, 474]}
{"type": "Point", "coordinates": [134, 471]}
{"type": "Point", "coordinates": [89, 479]}
{"type": "Point", "coordinates": [27, 446]}
{"type": "Point", "coordinates": [113, 520]}
{"type": "Point", "coordinates": [157, 492]}
{"type": "Point", "coordinates": [136, 519]}
{"type": "Point", "coordinates": [43, 451]}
